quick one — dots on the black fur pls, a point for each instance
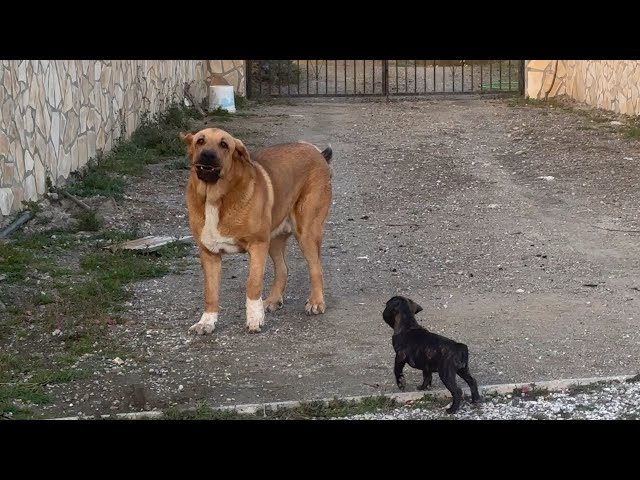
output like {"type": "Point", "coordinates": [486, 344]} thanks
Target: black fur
{"type": "Point", "coordinates": [327, 153]}
{"type": "Point", "coordinates": [427, 351]}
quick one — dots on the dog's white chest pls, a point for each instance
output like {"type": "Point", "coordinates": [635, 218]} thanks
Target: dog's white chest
{"type": "Point", "coordinates": [210, 236]}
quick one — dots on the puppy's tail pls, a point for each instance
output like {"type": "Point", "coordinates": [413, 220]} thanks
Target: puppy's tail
{"type": "Point", "coordinates": [464, 355]}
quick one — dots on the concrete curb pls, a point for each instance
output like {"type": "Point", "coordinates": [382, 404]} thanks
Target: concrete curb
{"type": "Point", "coordinates": [252, 408]}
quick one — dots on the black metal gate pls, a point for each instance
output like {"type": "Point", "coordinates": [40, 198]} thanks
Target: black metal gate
{"type": "Point", "coordinates": [339, 78]}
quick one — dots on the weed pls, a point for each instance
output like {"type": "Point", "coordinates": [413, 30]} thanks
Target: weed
{"type": "Point", "coordinates": [633, 133]}
{"type": "Point", "coordinates": [530, 393]}
{"type": "Point", "coordinates": [88, 222]}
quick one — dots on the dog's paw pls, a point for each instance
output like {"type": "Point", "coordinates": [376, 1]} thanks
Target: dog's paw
{"type": "Point", "coordinates": [255, 315]}
{"type": "Point", "coordinates": [207, 324]}
{"type": "Point", "coordinates": [402, 384]}
{"type": "Point", "coordinates": [314, 308]}
{"type": "Point", "coordinates": [271, 306]}
{"type": "Point", "coordinates": [424, 386]}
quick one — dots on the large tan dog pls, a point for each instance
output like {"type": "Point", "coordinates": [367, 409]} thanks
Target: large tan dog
{"type": "Point", "coordinates": [251, 204]}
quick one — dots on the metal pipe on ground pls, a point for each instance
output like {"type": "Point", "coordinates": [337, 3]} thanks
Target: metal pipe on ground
{"type": "Point", "coordinates": [16, 224]}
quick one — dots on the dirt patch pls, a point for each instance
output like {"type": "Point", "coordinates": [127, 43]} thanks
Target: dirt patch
{"type": "Point", "coordinates": [447, 201]}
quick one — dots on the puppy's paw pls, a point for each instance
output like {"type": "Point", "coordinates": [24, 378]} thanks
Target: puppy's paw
{"type": "Point", "coordinates": [207, 324]}
{"type": "Point", "coordinates": [453, 409]}
{"type": "Point", "coordinates": [255, 315]}
{"type": "Point", "coordinates": [402, 384]}
{"type": "Point", "coordinates": [314, 308]}
{"type": "Point", "coordinates": [424, 386]}
{"type": "Point", "coordinates": [271, 305]}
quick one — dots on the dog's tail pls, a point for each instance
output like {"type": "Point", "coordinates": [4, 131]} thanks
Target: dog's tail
{"type": "Point", "coordinates": [464, 355]}
{"type": "Point", "coordinates": [327, 153]}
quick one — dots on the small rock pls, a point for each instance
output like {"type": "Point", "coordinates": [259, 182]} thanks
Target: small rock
{"type": "Point", "coordinates": [118, 361]}
{"type": "Point", "coordinates": [493, 205]}
{"type": "Point", "coordinates": [520, 290]}
{"type": "Point", "coordinates": [615, 123]}
{"type": "Point", "coordinates": [180, 388]}
{"type": "Point", "coordinates": [548, 178]}
{"type": "Point", "coordinates": [520, 152]}
{"type": "Point", "coordinates": [625, 158]}
{"type": "Point", "coordinates": [56, 332]}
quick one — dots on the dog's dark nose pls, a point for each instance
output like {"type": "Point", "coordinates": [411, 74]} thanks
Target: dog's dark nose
{"type": "Point", "coordinates": [208, 157]}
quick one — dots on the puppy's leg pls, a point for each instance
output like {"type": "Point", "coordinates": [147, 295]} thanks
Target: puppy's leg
{"type": "Point", "coordinates": [211, 267]}
{"type": "Point", "coordinates": [254, 306]}
{"type": "Point", "coordinates": [427, 378]}
{"type": "Point", "coordinates": [309, 216]}
{"type": "Point", "coordinates": [448, 377]}
{"type": "Point", "coordinates": [473, 386]}
{"type": "Point", "coordinates": [397, 370]}
{"type": "Point", "coordinates": [276, 251]}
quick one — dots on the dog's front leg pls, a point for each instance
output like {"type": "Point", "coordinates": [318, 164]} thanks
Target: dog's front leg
{"type": "Point", "coordinates": [399, 366]}
{"type": "Point", "coordinates": [211, 267]}
{"type": "Point", "coordinates": [255, 309]}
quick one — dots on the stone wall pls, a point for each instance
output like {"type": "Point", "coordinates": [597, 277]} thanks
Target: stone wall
{"type": "Point", "coordinates": [608, 84]}
{"type": "Point", "coordinates": [233, 72]}
{"type": "Point", "coordinates": [55, 115]}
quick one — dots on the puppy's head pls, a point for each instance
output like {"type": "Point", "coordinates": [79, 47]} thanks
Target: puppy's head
{"type": "Point", "coordinates": [397, 305]}
{"type": "Point", "coordinates": [212, 152]}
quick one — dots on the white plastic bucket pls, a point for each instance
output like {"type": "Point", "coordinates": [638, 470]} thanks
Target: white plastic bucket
{"type": "Point", "coordinates": [221, 96]}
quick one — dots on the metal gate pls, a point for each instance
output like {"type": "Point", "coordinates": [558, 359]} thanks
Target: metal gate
{"type": "Point", "coordinates": [339, 78]}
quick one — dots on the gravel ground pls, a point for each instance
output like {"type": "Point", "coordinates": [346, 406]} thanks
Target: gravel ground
{"type": "Point", "coordinates": [514, 227]}
{"type": "Point", "coordinates": [615, 401]}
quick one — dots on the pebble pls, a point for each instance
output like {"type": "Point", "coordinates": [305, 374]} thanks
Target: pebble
{"type": "Point", "coordinates": [620, 400]}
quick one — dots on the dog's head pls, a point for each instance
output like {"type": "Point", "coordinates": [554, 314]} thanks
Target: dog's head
{"type": "Point", "coordinates": [397, 305]}
{"type": "Point", "coordinates": [212, 152]}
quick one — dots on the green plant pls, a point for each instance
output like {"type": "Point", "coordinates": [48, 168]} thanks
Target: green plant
{"type": "Point", "coordinates": [277, 71]}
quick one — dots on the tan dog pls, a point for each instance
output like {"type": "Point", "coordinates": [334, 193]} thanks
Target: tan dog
{"type": "Point", "coordinates": [251, 204]}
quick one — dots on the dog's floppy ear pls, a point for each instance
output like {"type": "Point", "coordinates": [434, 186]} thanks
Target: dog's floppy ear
{"type": "Point", "coordinates": [186, 138]}
{"type": "Point", "coordinates": [241, 151]}
{"type": "Point", "coordinates": [415, 308]}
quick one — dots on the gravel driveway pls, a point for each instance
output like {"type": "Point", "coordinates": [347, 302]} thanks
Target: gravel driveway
{"type": "Point", "coordinates": [500, 220]}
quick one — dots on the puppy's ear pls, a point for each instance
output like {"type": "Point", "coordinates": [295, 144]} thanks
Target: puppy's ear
{"type": "Point", "coordinates": [415, 308]}
{"type": "Point", "coordinates": [241, 152]}
{"type": "Point", "coordinates": [186, 138]}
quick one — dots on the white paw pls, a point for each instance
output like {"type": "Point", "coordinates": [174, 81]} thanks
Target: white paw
{"type": "Point", "coordinates": [255, 315]}
{"type": "Point", "coordinates": [207, 324]}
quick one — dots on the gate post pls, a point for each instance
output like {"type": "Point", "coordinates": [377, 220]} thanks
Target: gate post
{"type": "Point", "coordinates": [385, 79]}
{"type": "Point", "coordinates": [248, 78]}
{"type": "Point", "coordinates": [521, 76]}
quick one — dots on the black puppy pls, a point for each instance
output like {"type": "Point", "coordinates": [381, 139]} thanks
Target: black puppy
{"type": "Point", "coordinates": [427, 351]}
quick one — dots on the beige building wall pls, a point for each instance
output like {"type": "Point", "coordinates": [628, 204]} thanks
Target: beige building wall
{"type": "Point", "coordinates": [608, 84]}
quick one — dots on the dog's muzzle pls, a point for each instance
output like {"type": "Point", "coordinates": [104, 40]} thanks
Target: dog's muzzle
{"type": "Point", "coordinates": [207, 173]}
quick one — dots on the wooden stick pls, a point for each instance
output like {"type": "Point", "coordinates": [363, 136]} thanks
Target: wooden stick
{"type": "Point", "coordinates": [187, 94]}
{"type": "Point", "coordinates": [616, 230]}
{"type": "Point", "coordinates": [77, 201]}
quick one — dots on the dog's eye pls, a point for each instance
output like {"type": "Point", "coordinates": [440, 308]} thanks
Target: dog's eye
{"type": "Point", "coordinates": [223, 144]}
{"type": "Point", "coordinates": [200, 141]}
